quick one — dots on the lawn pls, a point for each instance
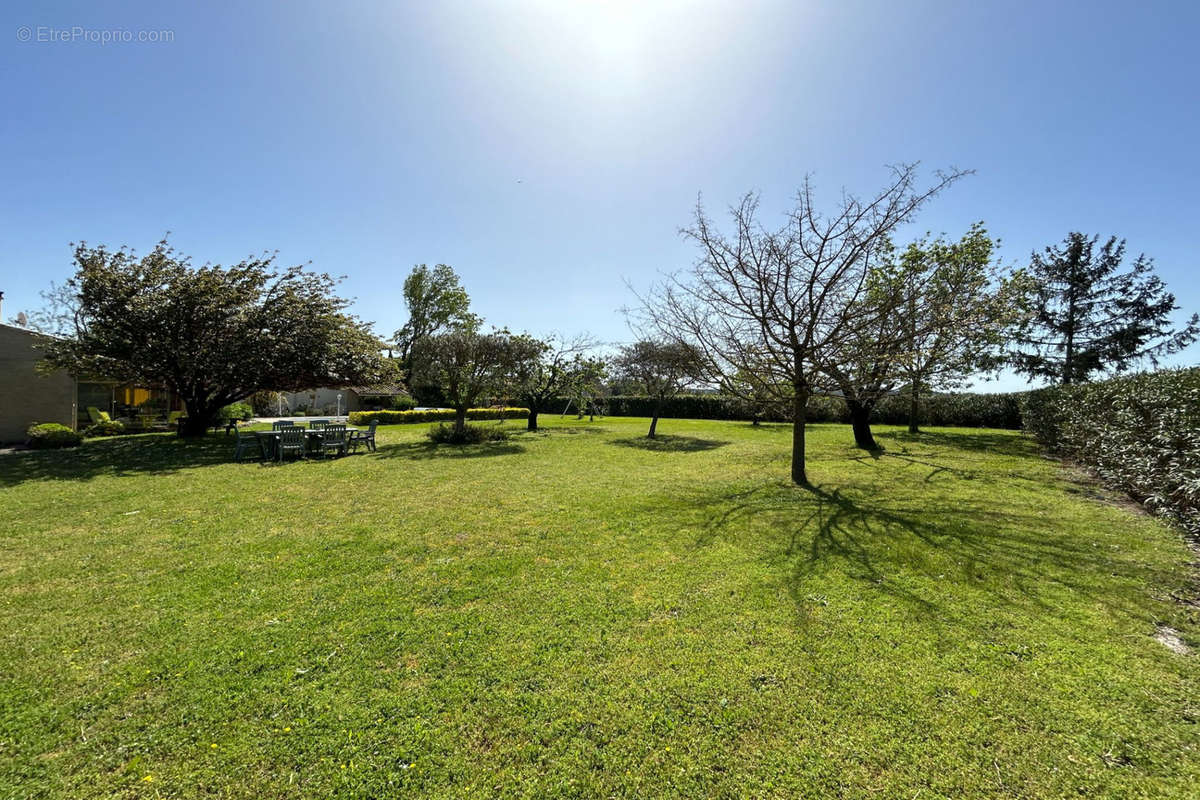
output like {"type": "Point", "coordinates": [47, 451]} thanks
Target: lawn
{"type": "Point", "coordinates": [583, 613]}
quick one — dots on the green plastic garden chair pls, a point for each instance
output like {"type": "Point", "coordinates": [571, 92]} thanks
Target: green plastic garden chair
{"type": "Point", "coordinates": [290, 440]}
{"type": "Point", "coordinates": [246, 441]}
{"type": "Point", "coordinates": [366, 437]}
{"type": "Point", "coordinates": [333, 439]}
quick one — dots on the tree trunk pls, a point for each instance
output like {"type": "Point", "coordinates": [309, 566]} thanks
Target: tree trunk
{"type": "Point", "coordinates": [860, 422]}
{"type": "Point", "coordinates": [194, 426]}
{"type": "Point", "coordinates": [460, 419]}
{"type": "Point", "coordinates": [654, 420]}
{"type": "Point", "coordinates": [532, 423]}
{"type": "Point", "coordinates": [914, 406]}
{"type": "Point", "coordinates": [200, 417]}
{"type": "Point", "coordinates": [799, 415]}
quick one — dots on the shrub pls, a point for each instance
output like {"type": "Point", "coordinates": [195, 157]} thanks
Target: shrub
{"type": "Point", "coordinates": [50, 435]}
{"type": "Point", "coordinates": [1040, 416]}
{"type": "Point", "coordinates": [109, 427]}
{"type": "Point", "coordinates": [470, 434]}
{"type": "Point", "coordinates": [236, 411]}
{"type": "Point", "coordinates": [436, 415]}
{"type": "Point", "coordinates": [1140, 433]}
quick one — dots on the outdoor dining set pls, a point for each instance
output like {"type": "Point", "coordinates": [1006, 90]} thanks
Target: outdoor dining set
{"type": "Point", "coordinates": [320, 437]}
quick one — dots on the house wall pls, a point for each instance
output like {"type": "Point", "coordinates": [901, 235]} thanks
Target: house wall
{"type": "Point", "coordinates": [320, 398]}
{"type": "Point", "coordinates": [27, 396]}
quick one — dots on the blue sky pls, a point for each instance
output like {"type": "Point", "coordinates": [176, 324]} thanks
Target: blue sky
{"type": "Point", "coordinates": [549, 151]}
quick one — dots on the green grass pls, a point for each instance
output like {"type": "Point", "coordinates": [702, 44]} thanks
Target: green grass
{"type": "Point", "coordinates": [583, 613]}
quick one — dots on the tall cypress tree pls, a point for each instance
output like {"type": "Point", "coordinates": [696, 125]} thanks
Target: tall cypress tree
{"type": "Point", "coordinates": [1089, 316]}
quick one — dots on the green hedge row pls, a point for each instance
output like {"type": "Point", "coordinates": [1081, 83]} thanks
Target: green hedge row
{"type": "Point", "coordinates": [955, 410]}
{"type": "Point", "coordinates": [1141, 434]}
{"type": "Point", "coordinates": [439, 415]}
{"type": "Point", "coordinates": [952, 410]}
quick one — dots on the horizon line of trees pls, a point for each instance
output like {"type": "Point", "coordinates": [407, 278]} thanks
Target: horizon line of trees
{"type": "Point", "coordinates": [825, 303]}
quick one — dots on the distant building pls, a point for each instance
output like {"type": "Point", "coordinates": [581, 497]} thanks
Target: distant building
{"type": "Point", "coordinates": [328, 401]}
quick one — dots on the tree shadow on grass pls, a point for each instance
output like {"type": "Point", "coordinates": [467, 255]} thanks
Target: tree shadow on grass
{"type": "Point", "coordinates": [935, 468]}
{"type": "Point", "coordinates": [148, 454]}
{"type": "Point", "coordinates": [1011, 444]}
{"type": "Point", "coordinates": [922, 556]}
{"type": "Point", "coordinates": [558, 429]}
{"type": "Point", "coordinates": [670, 444]}
{"type": "Point", "coordinates": [419, 451]}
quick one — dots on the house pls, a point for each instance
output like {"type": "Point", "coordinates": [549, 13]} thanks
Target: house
{"type": "Point", "coordinates": [28, 395]}
{"type": "Point", "coordinates": [339, 402]}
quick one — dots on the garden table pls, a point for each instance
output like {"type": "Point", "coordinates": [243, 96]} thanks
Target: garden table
{"type": "Point", "coordinates": [267, 440]}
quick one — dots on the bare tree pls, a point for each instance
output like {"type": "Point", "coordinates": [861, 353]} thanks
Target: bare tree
{"type": "Point", "coordinates": [60, 311]}
{"type": "Point", "coordinates": [777, 303]}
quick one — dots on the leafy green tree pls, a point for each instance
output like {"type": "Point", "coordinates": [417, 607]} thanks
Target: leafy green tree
{"type": "Point", "coordinates": [588, 388]}
{"type": "Point", "coordinates": [1089, 316]}
{"type": "Point", "coordinates": [437, 303]}
{"type": "Point", "coordinates": [660, 369]}
{"type": "Point", "coordinates": [930, 318]}
{"type": "Point", "coordinates": [556, 368]}
{"type": "Point", "coordinates": [467, 366]}
{"type": "Point", "coordinates": [211, 334]}
{"type": "Point", "coordinates": [860, 364]}
{"type": "Point", "coordinates": [957, 310]}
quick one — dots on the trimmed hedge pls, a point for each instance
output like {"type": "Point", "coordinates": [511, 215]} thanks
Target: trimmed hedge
{"type": "Point", "coordinates": [955, 410]}
{"type": "Point", "coordinates": [51, 435]}
{"type": "Point", "coordinates": [1140, 433]}
{"type": "Point", "coordinates": [439, 415]}
{"type": "Point", "coordinates": [399, 402]}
